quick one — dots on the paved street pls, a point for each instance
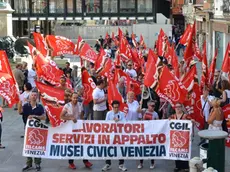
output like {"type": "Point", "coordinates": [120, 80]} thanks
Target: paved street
{"type": "Point", "coordinates": [11, 159]}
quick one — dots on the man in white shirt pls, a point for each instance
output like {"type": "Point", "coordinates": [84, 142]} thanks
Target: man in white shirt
{"type": "Point", "coordinates": [71, 112]}
{"type": "Point", "coordinates": [115, 115]}
{"type": "Point", "coordinates": [130, 71]}
{"type": "Point", "coordinates": [32, 76]}
{"type": "Point", "coordinates": [99, 100]}
{"type": "Point", "coordinates": [134, 113]}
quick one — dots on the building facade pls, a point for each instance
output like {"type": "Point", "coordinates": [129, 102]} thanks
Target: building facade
{"type": "Point", "coordinates": [42, 15]}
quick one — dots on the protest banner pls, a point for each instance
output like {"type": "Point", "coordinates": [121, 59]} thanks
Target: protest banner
{"type": "Point", "coordinates": [157, 139]}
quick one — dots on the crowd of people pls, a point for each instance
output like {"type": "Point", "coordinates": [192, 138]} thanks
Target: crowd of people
{"type": "Point", "coordinates": [151, 107]}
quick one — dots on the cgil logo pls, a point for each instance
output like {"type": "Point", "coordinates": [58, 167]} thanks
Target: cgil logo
{"type": "Point", "coordinates": [179, 126]}
{"type": "Point", "coordinates": [37, 124]}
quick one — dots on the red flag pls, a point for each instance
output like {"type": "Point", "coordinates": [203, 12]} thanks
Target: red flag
{"type": "Point", "coordinates": [113, 94]}
{"type": "Point", "coordinates": [134, 40]}
{"type": "Point", "coordinates": [101, 59]}
{"type": "Point", "coordinates": [170, 88]}
{"type": "Point", "coordinates": [135, 58]}
{"type": "Point", "coordinates": [88, 53]}
{"type": "Point", "coordinates": [54, 113]}
{"type": "Point", "coordinates": [212, 68]}
{"type": "Point", "coordinates": [197, 52]}
{"type": "Point", "coordinates": [40, 44]}
{"type": "Point", "coordinates": [226, 62]}
{"type": "Point", "coordinates": [8, 85]}
{"type": "Point", "coordinates": [113, 36]}
{"type": "Point", "coordinates": [186, 35]}
{"type": "Point", "coordinates": [107, 35]}
{"type": "Point", "coordinates": [46, 68]}
{"type": "Point", "coordinates": [142, 42]}
{"type": "Point", "coordinates": [107, 69]}
{"type": "Point", "coordinates": [118, 60]}
{"type": "Point", "coordinates": [60, 45]}
{"type": "Point", "coordinates": [194, 107]}
{"type": "Point", "coordinates": [125, 49]}
{"type": "Point", "coordinates": [51, 95]}
{"type": "Point", "coordinates": [52, 99]}
{"type": "Point", "coordinates": [226, 111]}
{"type": "Point", "coordinates": [174, 62]}
{"type": "Point", "coordinates": [162, 44]}
{"type": "Point", "coordinates": [151, 74]}
{"type": "Point", "coordinates": [120, 33]}
{"type": "Point", "coordinates": [204, 76]}
{"type": "Point", "coordinates": [190, 49]}
{"type": "Point", "coordinates": [188, 80]}
{"type": "Point", "coordinates": [88, 85]}
{"type": "Point", "coordinates": [79, 40]}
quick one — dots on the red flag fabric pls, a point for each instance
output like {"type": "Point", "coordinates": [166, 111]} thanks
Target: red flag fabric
{"type": "Point", "coordinates": [151, 74]}
{"type": "Point", "coordinates": [194, 107]}
{"type": "Point", "coordinates": [204, 76]}
{"type": "Point", "coordinates": [125, 49]}
{"type": "Point", "coordinates": [142, 42]}
{"type": "Point", "coordinates": [113, 36]}
{"type": "Point", "coordinates": [46, 68]}
{"type": "Point", "coordinates": [101, 59]}
{"type": "Point", "coordinates": [174, 62]}
{"type": "Point", "coordinates": [52, 99]}
{"type": "Point", "coordinates": [8, 85]}
{"type": "Point", "coordinates": [60, 45]}
{"type": "Point", "coordinates": [40, 44]}
{"type": "Point", "coordinates": [226, 62]}
{"type": "Point", "coordinates": [162, 44]}
{"type": "Point", "coordinates": [106, 35]}
{"type": "Point", "coordinates": [212, 68]}
{"type": "Point", "coordinates": [54, 113]}
{"type": "Point", "coordinates": [87, 53]}
{"type": "Point", "coordinates": [226, 110]}
{"type": "Point", "coordinates": [120, 33]}
{"type": "Point", "coordinates": [197, 52]}
{"type": "Point", "coordinates": [79, 40]}
{"type": "Point", "coordinates": [170, 88]}
{"type": "Point", "coordinates": [190, 49]}
{"type": "Point", "coordinates": [134, 40]}
{"type": "Point", "coordinates": [188, 80]}
{"type": "Point", "coordinates": [135, 58]}
{"type": "Point", "coordinates": [88, 85]}
{"type": "Point", "coordinates": [113, 94]}
{"type": "Point", "coordinates": [186, 35]}
{"type": "Point", "coordinates": [107, 69]}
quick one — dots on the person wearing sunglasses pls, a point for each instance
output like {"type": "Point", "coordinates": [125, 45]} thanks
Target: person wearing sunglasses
{"type": "Point", "coordinates": [149, 114]}
{"type": "Point", "coordinates": [130, 71]}
{"type": "Point", "coordinates": [115, 115]}
{"type": "Point", "coordinates": [180, 115]}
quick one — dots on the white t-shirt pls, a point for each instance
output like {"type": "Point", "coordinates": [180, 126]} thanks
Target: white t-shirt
{"type": "Point", "coordinates": [227, 93]}
{"type": "Point", "coordinates": [132, 73]}
{"type": "Point", "coordinates": [99, 94]}
{"type": "Point", "coordinates": [31, 76]}
{"type": "Point", "coordinates": [72, 110]}
{"type": "Point", "coordinates": [154, 114]}
{"type": "Point", "coordinates": [24, 97]}
{"type": "Point", "coordinates": [133, 115]}
{"type": "Point", "coordinates": [206, 108]}
{"type": "Point", "coordinates": [111, 115]}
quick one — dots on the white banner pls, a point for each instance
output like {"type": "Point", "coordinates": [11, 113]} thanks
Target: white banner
{"type": "Point", "coordinates": [157, 139]}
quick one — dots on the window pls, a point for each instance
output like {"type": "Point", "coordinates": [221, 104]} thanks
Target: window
{"type": "Point", "coordinates": [56, 6]}
{"type": "Point", "coordinates": [21, 6]}
{"type": "Point", "coordinates": [69, 6]}
{"type": "Point", "coordinates": [144, 6]}
{"type": "Point", "coordinates": [127, 6]}
{"type": "Point", "coordinates": [109, 6]}
{"type": "Point", "coordinates": [79, 6]}
{"type": "Point", "coordinates": [92, 6]}
{"type": "Point", "coordinates": [39, 6]}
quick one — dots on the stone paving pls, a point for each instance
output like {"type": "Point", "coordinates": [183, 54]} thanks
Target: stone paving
{"type": "Point", "coordinates": [11, 159]}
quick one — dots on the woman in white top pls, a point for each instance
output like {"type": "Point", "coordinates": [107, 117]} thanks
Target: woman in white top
{"type": "Point", "coordinates": [225, 86]}
{"type": "Point", "coordinates": [24, 97]}
{"type": "Point", "coordinates": [134, 112]}
{"type": "Point", "coordinates": [216, 116]}
{"type": "Point", "coordinates": [206, 104]}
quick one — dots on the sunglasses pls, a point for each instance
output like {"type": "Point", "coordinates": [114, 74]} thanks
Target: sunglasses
{"type": "Point", "coordinates": [152, 105]}
{"type": "Point", "coordinates": [129, 65]}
